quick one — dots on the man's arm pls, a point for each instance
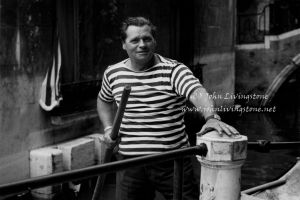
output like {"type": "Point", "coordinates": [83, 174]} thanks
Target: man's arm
{"type": "Point", "coordinates": [106, 115]}
{"type": "Point", "coordinates": [205, 105]}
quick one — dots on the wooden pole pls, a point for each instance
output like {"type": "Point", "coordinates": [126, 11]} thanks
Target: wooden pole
{"type": "Point", "coordinates": [108, 150]}
{"type": "Point", "coordinates": [178, 179]}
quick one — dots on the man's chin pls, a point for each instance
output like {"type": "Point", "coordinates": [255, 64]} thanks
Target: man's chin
{"type": "Point", "coordinates": [144, 57]}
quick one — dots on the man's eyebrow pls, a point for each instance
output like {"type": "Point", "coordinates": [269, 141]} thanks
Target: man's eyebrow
{"type": "Point", "coordinates": [134, 38]}
{"type": "Point", "coordinates": [140, 37]}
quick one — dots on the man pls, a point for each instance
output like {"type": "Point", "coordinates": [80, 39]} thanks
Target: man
{"type": "Point", "coordinates": [153, 120]}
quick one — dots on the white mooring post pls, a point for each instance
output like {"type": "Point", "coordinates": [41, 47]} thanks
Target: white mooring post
{"type": "Point", "coordinates": [221, 167]}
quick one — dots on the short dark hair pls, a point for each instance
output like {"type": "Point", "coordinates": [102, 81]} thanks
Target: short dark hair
{"type": "Point", "coordinates": [136, 21]}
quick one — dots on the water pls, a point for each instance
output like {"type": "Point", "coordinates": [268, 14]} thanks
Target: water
{"type": "Point", "coordinates": [260, 168]}
{"type": "Point", "coordinates": [281, 126]}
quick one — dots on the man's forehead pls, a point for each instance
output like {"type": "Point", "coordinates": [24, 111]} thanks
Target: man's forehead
{"type": "Point", "coordinates": [137, 30]}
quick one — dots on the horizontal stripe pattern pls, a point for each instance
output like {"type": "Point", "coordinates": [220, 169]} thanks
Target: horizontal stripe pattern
{"type": "Point", "coordinates": [153, 119]}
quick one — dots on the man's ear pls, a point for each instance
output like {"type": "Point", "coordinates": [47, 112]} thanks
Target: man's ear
{"type": "Point", "coordinates": [123, 46]}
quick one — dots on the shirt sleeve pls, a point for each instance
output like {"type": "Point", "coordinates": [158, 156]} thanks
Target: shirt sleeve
{"type": "Point", "coordinates": [105, 92]}
{"type": "Point", "coordinates": [183, 81]}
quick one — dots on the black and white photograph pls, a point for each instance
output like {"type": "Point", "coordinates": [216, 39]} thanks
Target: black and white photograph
{"type": "Point", "coordinates": [149, 100]}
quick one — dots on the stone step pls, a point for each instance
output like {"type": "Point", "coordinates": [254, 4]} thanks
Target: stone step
{"type": "Point", "coordinates": [69, 155]}
{"type": "Point", "coordinates": [78, 153]}
{"type": "Point", "coordinates": [46, 161]}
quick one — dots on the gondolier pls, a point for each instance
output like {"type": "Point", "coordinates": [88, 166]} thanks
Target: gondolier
{"type": "Point", "coordinates": [153, 119]}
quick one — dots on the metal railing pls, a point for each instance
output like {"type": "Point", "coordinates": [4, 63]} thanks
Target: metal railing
{"type": "Point", "coordinates": [176, 155]}
{"type": "Point", "coordinates": [79, 174]}
{"type": "Point", "coordinates": [252, 27]}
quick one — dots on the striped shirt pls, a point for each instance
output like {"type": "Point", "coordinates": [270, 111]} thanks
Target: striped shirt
{"type": "Point", "coordinates": [153, 119]}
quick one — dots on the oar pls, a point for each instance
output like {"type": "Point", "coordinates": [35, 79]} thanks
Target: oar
{"type": "Point", "coordinates": [266, 146]}
{"type": "Point", "coordinates": [107, 150]}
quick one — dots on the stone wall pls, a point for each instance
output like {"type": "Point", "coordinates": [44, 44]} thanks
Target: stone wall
{"type": "Point", "coordinates": [26, 33]}
{"type": "Point", "coordinates": [258, 65]}
{"type": "Point", "coordinates": [214, 49]}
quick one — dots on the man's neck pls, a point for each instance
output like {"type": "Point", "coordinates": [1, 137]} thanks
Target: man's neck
{"type": "Point", "coordinates": [136, 66]}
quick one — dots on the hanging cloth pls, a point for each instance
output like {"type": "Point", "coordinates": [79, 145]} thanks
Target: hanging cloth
{"type": "Point", "coordinates": [50, 90]}
{"type": "Point", "coordinates": [64, 59]}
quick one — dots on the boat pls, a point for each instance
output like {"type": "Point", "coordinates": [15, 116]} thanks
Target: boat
{"type": "Point", "coordinates": [286, 187]}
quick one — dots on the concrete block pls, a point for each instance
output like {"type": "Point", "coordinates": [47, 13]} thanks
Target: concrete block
{"type": "Point", "coordinates": [78, 153]}
{"type": "Point", "coordinates": [99, 149]}
{"type": "Point", "coordinates": [45, 161]}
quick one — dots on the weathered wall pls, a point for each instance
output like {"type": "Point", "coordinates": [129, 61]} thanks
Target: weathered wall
{"type": "Point", "coordinates": [257, 68]}
{"type": "Point", "coordinates": [25, 54]}
{"type": "Point", "coordinates": [215, 40]}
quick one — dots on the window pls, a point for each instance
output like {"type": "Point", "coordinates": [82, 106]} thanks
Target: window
{"type": "Point", "coordinates": [89, 43]}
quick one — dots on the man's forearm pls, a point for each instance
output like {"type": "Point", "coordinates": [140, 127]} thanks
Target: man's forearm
{"type": "Point", "coordinates": [200, 99]}
{"type": "Point", "coordinates": [105, 112]}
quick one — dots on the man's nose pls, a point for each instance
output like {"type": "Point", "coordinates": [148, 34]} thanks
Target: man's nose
{"type": "Point", "coordinates": [141, 43]}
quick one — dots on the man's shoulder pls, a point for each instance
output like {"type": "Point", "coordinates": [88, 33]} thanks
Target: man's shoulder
{"type": "Point", "coordinates": [116, 65]}
{"type": "Point", "coordinates": [168, 61]}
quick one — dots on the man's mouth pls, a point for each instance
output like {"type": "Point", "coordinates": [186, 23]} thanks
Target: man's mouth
{"type": "Point", "coordinates": [142, 52]}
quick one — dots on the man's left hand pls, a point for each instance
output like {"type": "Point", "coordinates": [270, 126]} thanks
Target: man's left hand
{"type": "Point", "coordinates": [221, 127]}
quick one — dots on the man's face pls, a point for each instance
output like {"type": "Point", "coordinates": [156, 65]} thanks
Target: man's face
{"type": "Point", "coordinates": [139, 44]}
